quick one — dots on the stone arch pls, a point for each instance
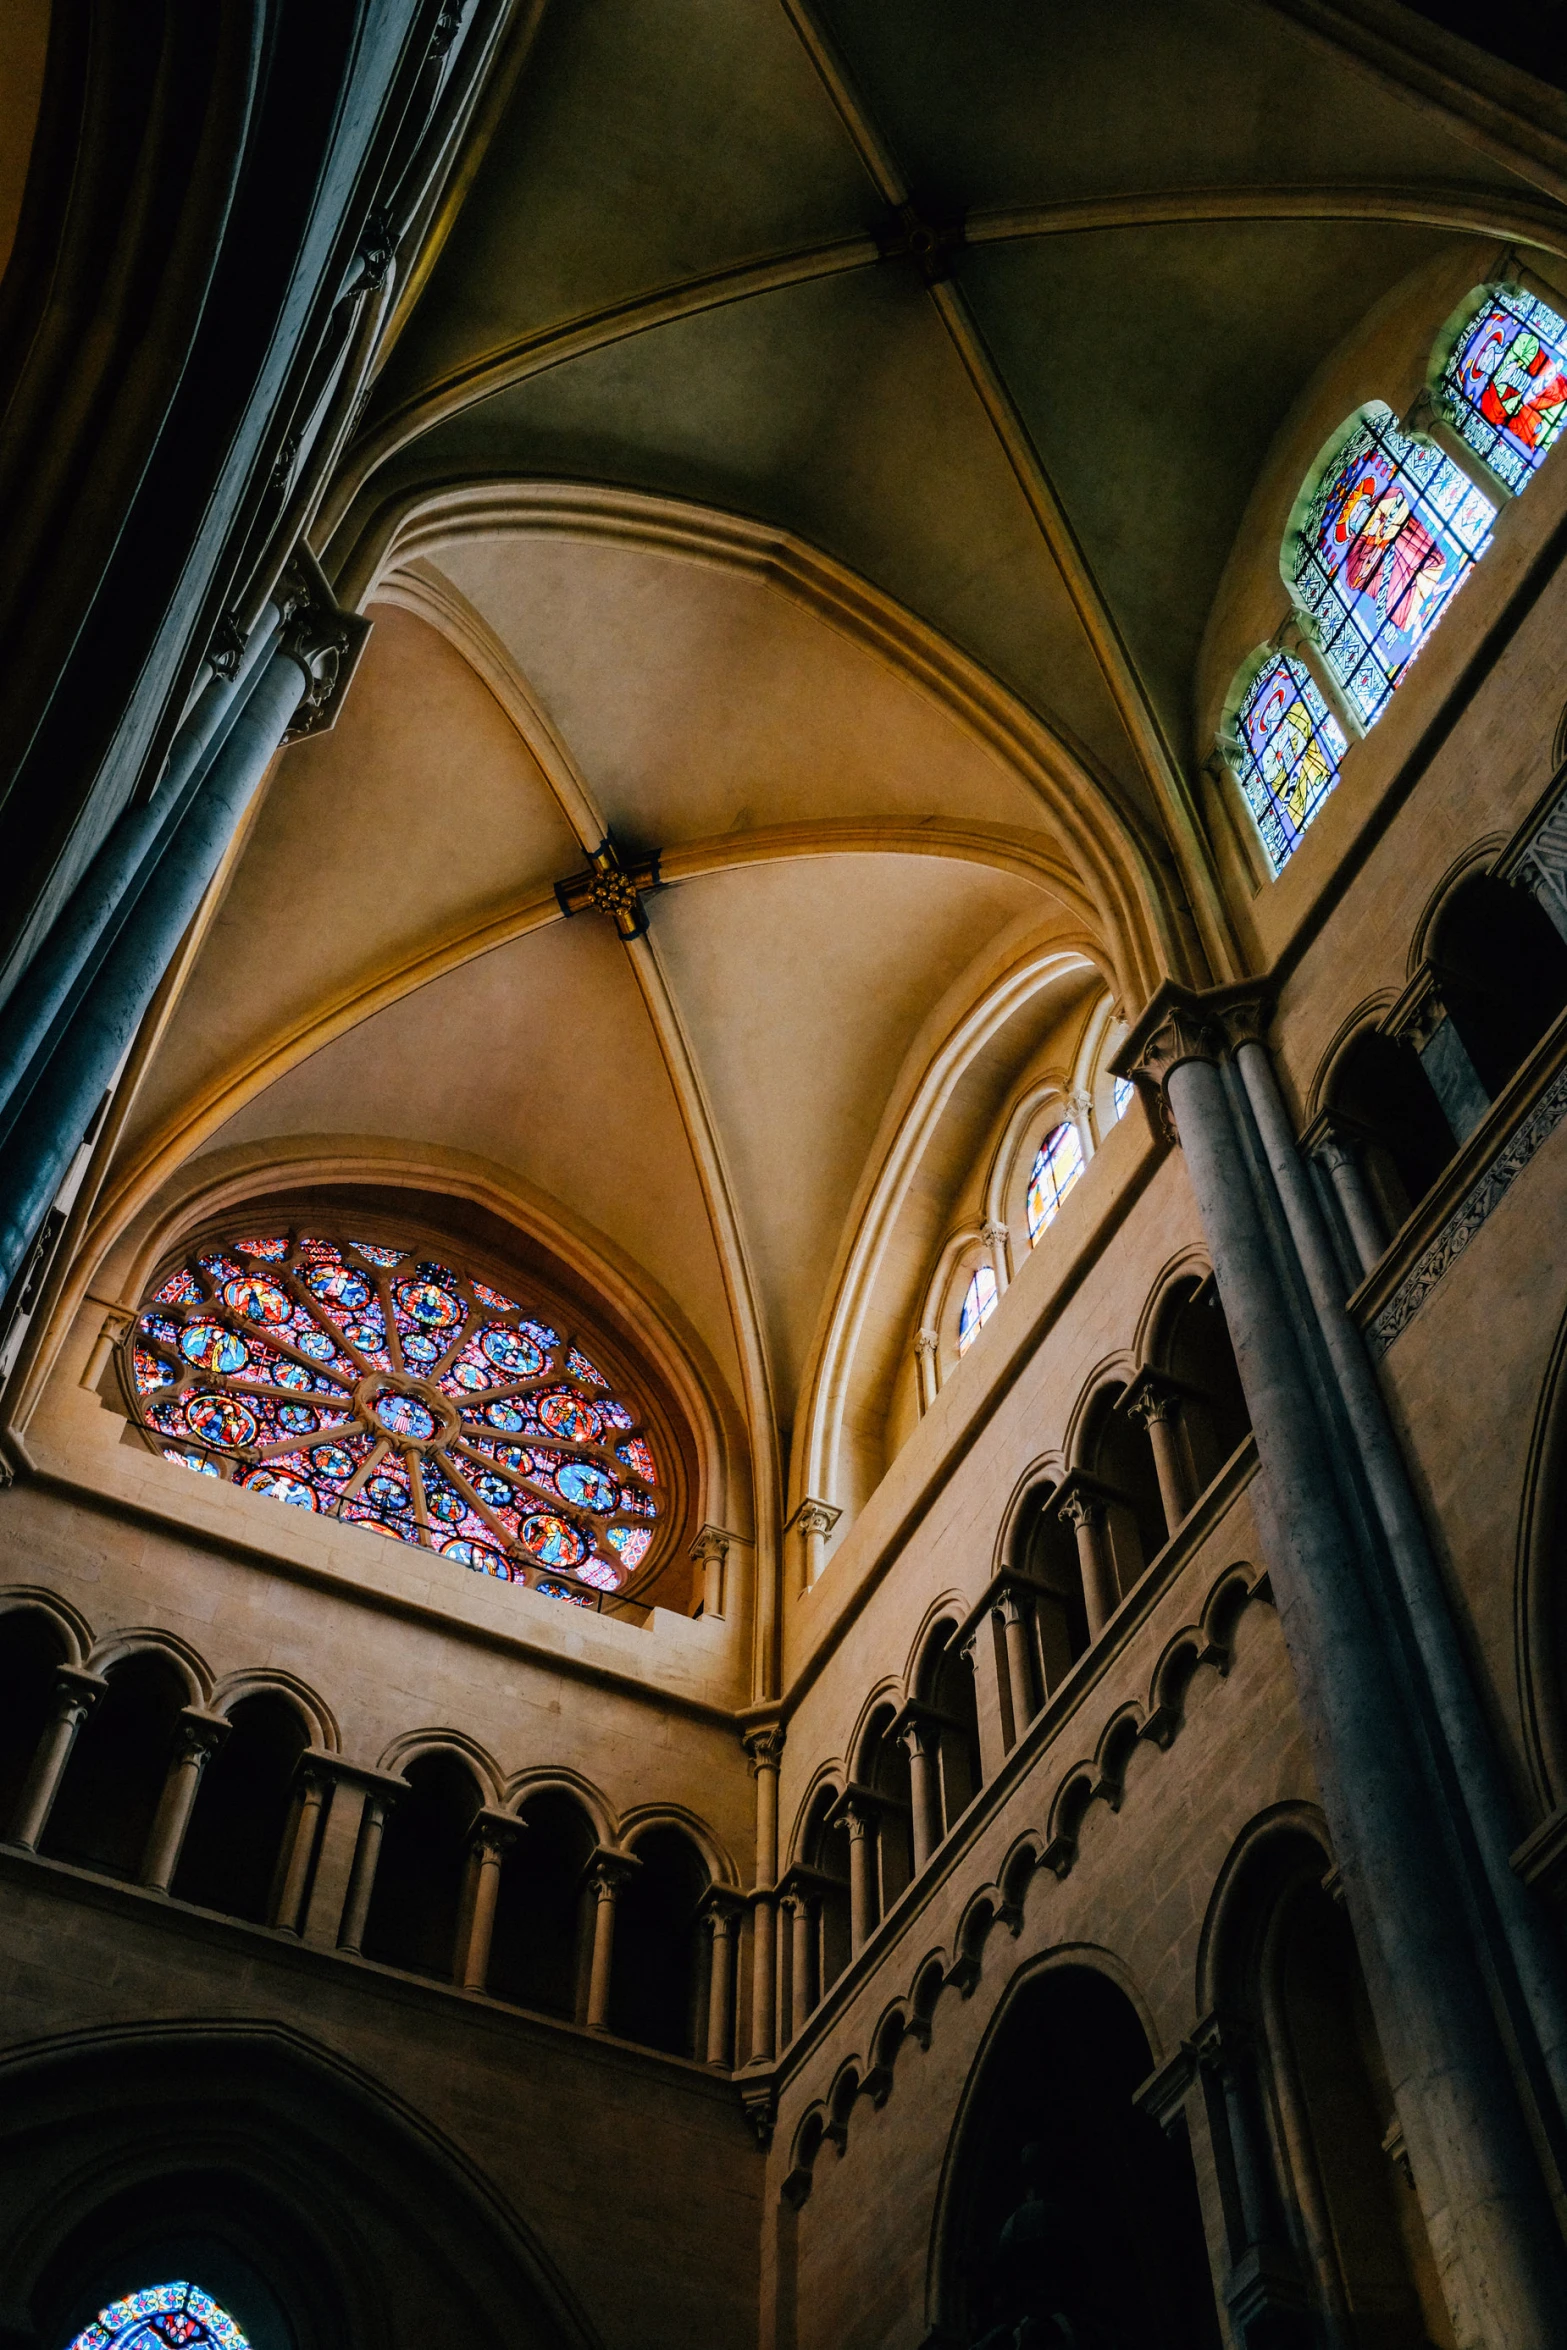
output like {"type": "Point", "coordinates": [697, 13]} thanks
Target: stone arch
{"type": "Point", "coordinates": [76, 1633]}
{"type": "Point", "coordinates": [115, 1648]}
{"type": "Point", "coordinates": [412, 1745]}
{"type": "Point", "coordinates": [647, 1817]}
{"type": "Point", "coordinates": [354, 2211]}
{"type": "Point", "coordinates": [320, 1722]}
{"type": "Point", "coordinates": [556, 1779]}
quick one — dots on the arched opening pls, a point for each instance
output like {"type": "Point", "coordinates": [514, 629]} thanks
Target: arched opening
{"type": "Point", "coordinates": [1388, 1104]}
{"type": "Point", "coordinates": [946, 1685]}
{"type": "Point", "coordinates": [234, 1843]}
{"type": "Point", "coordinates": [108, 1799]}
{"type": "Point", "coordinates": [423, 1861]}
{"type": "Point", "coordinates": [1193, 1345]}
{"type": "Point", "coordinates": [1047, 1552]}
{"type": "Point", "coordinates": [826, 1848]}
{"type": "Point", "coordinates": [1073, 2216]}
{"type": "Point", "coordinates": [32, 1650]}
{"type": "Point", "coordinates": [883, 1767]}
{"type": "Point", "coordinates": [537, 1956]}
{"type": "Point", "coordinates": [1119, 1455]}
{"type": "Point", "coordinates": [1503, 966]}
{"type": "Point", "coordinates": [1319, 2178]}
{"type": "Point", "coordinates": [655, 1984]}
{"type": "Point", "coordinates": [151, 2316]}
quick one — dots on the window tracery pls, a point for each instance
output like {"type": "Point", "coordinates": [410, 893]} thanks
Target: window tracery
{"type": "Point", "coordinates": [175, 2316]}
{"type": "Point", "coordinates": [1504, 385]}
{"type": "Point", "coordinates": [1387, 538]}
{"type": "Point", "coordinates": [1058, 1163]}
{"type": "Point", "coordinates": [361, 1382]}
{"type": "Point", "coordinates": [1287, 745]}
{"type": "Point", "coordinates": [980, 1300]}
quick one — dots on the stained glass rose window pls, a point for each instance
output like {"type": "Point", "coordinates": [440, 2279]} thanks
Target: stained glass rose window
{"type": "Point", "coordinates": [367, 1383]}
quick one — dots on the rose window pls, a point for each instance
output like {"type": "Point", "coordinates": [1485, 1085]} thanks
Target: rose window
{"type": "Point", "coordinates": [365, 1383]}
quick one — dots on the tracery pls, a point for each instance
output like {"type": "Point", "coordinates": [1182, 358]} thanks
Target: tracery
{"type": "Point", "coordinates": [1504, 386]}
{"type": "Point", "coordinates": [175, 2316]}
{"type": "Point", "coordinates": [1057, 1165]}
{"type": "Point", "coordinates": [1388, 536]}
{"type": "Point", "coordinates": [360, 1381]}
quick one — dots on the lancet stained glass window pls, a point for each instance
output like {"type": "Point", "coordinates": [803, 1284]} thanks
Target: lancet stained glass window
{"type": "Point", "coordinates": [1387, 539]}
{"type": "Point", "coordinates": [1505, 384]}
{"type": "Point", "coordinates": [1288, 745]}
{"type": "Point", "coordinates": [1124, 1090]}
{"type": "Point", "coordinates": [979, 1303]}
{"type": "Point", "coordinates": [362, 1382]}
{"type": "Point", "coordinates": [177, 2316]}
{"type": "Point", "coordinates": [1058, 1162]}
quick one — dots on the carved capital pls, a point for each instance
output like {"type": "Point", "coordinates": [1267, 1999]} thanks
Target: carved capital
{"type": "Point", "coordinates": [814, 1518]}
{"type": "Point", "coordinates": [607, 1871]}
{"type": "Point", "coordinates": [1151, 1397]}
{"type": "Point", "coordinates": [759, 2100]}
{"type": "Point", "coordinates": [993, 1236]}
{"type": "Point", "coordinates": [1080, 1507]}
{"type": "Point", "coordinates": [712, 1543]}
{"type": "Point", "coordinates": [199, 1735]}
{"type": "Point", "coordinates": [764, 1747]}
{"type": "Point", "coordinates": [494, 1833]}
{"type": "Point", "coordinates": [721, 1912]}
{"type": "Point", "coordinates": [326, 642]}
{"type": "Point", "coordinates": [926, 1343]}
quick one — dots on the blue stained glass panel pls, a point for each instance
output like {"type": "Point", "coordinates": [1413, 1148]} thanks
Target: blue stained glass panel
{"type": "Point", "coordinates": [979, 1303]}
{"type": "Point", "coordinates": [1288, 748]}
{"type": "Point", "coordinates": [1057, 1165]}
{"type": "Point", "coordinates": [1505, 385]}
{"type": "Point", "coordinates": [175, 2316]}
{"type": "Point", "coordinates": [1390, 535]}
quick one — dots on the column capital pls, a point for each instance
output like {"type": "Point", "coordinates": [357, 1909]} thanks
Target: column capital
{"type": "Point", "coordinates": [326, 641]}
{"type": "Point", "coordinates": [859, 1809]}
{"type": "Point", "coordinates": [200, 1734]}
{"type": "Point", "coordinates": [1332, 1139]}
{"type": "Point", "coordinates": [1152, 1395]}
{"type": "Point", "coordinates": [764, 1746]}
{"type": "Point", "coordinates": [713, 1542]}
{"type": "Point", "coordinates": [1081, 1501]}
{"type": "Point", "coordinates": [1183, 1024]}
{"type": "Point", "coordinates": [813, 1517]}
{"type": "Point", "coordinates": [721, 1909]}
{"type": "Point", "coordinates": [495, 1832]}
{"type": "Point", "coordinates": [919, 1726]}
{"type": "Point", "coordinates": [993, 1235]}
{"type": "Point", "coordinates": [77, 1690]}
{"type": "Point", "coordinates": [607, 1870]}
{"type": "Point", "coordinates": [1425, 1003]}
{"type": "Point", "coordinates": [926, 1341]}
{"type": "Point", "coordinates": [325, 1763]}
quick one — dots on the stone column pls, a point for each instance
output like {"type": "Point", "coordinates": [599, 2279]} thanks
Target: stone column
{"type": "Point", "coordinates": [367, 1853]}
{"type": "Point", "coordinates": [925, 1351]}
{"type": "Point", "coordinates": [1425, 1021]}
{"type": "Point", "coordinates": [1156, 1406]}
{"type": "Point", "coordinates": [722, 1919]}
{"type": "Point", "coordinates": [1336, 1154]}
{"type": "Point", "coordinates": [492, 1836]}
{"type": "Point", "coordinates": [861, 1820]}
{"type": "Point", "coordinates": [1013, 1609]}
{"type": "Point", "coordinates": [711, 1550]}
{"type": "Point", "coordinates": [198, 1737]}
{"type": "Point", "coordinates": [803, 1993]}
{"type": "Point", "coordinates": [1456, 2092]}
{"type": "Point", "coordinates": [608, 1871]}
{"type": "Point", "coordinates": [1084, 1512]}
{"type": "Point", "coordinates": [814, 1521]}
{"type": "Point", "coordinates": [920, 1734]}
{"type": "Point", "coordinates": [311, 1789]}
{"type": "Point", "coordinates": [994, 1237]}
{"type": "Point", "coordinates": [764, 1746]}
{"type": "Point", "coordinates": [75, 1694]}
{"type": "Point", "coordinates": [984, 1653]}
{"type": "Point", "coordinates": [1081, 1107]}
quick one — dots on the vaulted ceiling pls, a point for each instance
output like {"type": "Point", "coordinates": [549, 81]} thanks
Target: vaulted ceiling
{"type": "Point", "coordinates": [812, 447]}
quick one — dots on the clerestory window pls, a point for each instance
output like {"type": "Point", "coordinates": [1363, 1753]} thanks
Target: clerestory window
{"type": "Point", "coordinates": [362, 1382]}
{"type": "Point", "coordinates": [1285, 748]}
{"type": "Point", "coordinates": [1504, 385]}
{"type": "Point", "coordinates": [1385, 540]}
{"type": "Point", "coordinates": [1057, 1165]}
{"type": "Point", "coordinates": [979, 1303]}
{"type": "Point", "coordinates": [176, 2316]}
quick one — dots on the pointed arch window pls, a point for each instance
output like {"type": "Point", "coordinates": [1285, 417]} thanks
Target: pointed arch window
{"type": "Point", "coordinates": [177, 2316]}
{"type": "Point", "coordinates": [1504, 386]}
{"type": "Point", "coordinates": [1285, 748]}
{"type": "Point", "coordinates": [359, 1381]}
{"type": "Point", "coordinates": [1057, 1165]}
{"type": "Point", "coordinates": [1381, 544]}
{"type": "Point", "coordinates": [1122, 1098]}
{"type": "Point", "coordinates": [979, 1303]}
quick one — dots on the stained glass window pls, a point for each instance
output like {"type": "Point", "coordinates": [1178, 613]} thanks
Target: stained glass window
{"type": "Point", "coordinates": [361, 1382]}
{"type": "Point", "coordinates": [1505, 384]}
{"type": "Point", "coordinates": [1286, 752]}
{"type": "Point", "coordinates": [979, 1303]}
{"type": "Point", "coordinates": [1383, 544]}
{"type": "Point", "coordinates": [1124, 1090]}
{"type": "Point", "coordinates": [1057, 1165]}
{"type": "Point", "coordinates": [177, 2316]}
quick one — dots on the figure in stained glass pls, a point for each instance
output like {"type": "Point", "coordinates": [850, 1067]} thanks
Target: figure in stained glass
{"type": "Point", "coordinates": [1504, 387]}
{"type": "Point", "coordinates": [1285, 751]}
{"type": "Point", "coordinates": [1384, 542]}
